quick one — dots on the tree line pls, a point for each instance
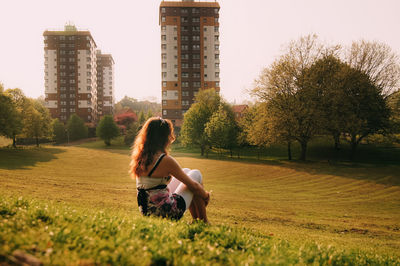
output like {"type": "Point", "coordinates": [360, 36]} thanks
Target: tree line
{"type": "Point", "coordinates": [312, 89]}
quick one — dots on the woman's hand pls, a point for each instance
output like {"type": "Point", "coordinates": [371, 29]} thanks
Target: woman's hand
{"type": "Point", "coordinates": [207, 199]}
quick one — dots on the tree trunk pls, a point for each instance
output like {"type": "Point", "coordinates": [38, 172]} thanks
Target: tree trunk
{"type": "Point", "coordinates": [37, 141]}
{"type": "Point", "coordinates": [14, 142]}
{"type": "Point", "coordinates": [289, 150]}
{"type": "Point", "coordinates": [354, 145]}
{"type": "Point", "coordinates": [231, 152]}
{"type": "Point", "coordinates": [336, 138]}
{"type": "Point", "coordinates": [303, 150]}
{"type": "Point", "coordinates": [202, 150]}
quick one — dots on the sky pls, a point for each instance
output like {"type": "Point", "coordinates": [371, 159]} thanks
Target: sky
{"type": "Point", "coordinates": [253, 34]}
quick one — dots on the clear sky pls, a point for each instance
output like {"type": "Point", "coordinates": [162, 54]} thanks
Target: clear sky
{"type": "Point", "coordinates": [253, 33]}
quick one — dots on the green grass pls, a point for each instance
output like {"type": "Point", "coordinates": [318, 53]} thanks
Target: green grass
{"type": "Point", "coordinates": [353, 208]}
{"type": "Point", "coordinates": [58, 234]}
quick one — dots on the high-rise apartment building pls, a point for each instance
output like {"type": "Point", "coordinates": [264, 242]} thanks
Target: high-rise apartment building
{"type": "Point", "coordinates": [105, 84]}
{"type": "Point", "coordinates": [189, 53]}
{"type": "Point", "coordinates": [70, 74]}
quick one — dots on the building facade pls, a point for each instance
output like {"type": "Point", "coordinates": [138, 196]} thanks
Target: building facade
{"type": "Point", "coordinates": [189, 54]}
{"type": "Point", "coordinates": [70, 74]}
{"type": "Point", "coordinates": [105, 84]}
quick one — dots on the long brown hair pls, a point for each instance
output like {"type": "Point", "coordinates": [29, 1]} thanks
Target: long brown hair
{"type": "Point", "coordinates": [155, 136]}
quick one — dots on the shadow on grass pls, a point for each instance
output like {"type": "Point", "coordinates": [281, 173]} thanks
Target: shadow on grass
{"type": "Point", "coordinates": [378, 164]}
{"type": "Point", "coordinates": [25, 157]}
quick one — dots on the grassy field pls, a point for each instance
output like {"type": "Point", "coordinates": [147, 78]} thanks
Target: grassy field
{"type": "Point", "coordinates": [352, 208]}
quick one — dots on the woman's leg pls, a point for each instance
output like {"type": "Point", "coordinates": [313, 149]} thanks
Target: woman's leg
{"type": "Point", "coordinates": [195, 204]}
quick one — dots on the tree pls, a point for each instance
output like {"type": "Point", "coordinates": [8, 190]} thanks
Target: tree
{"type": "Point", "coordinates": [291, 103]}
{"type": "Point", "coordinates": [21, 103]}
{"type": "Point", "coordinates": [58, 131]}
{"type": "Point", "coordinates": [107, 129]}
{"type": "Point", "coordinates": [378, 62]}
{"type": "Point", "coordinates": [326, 79]}
{"type": "Point", "coordinates": [196, 118]}
{"type": "Point", "coordinates": [8, 115]}
{"type": "Point", "coordinates": [141, 118]}
{"type": "Point", "coordinates": [131, 134]}
{"type": "Point", "coordinates": [126, 119]}
{"type": "Point", "coordinates": [366, 109]}
{"type": "Point", "coordinates": [37, 121]}
{"type": "Point", "coordinates": [222, 129]}
{"type": "Point", "coordinates": [76, 128]}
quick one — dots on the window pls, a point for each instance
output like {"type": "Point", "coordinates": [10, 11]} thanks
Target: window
{"type": "Point", "coordinates": [196, 65]}
{"type": "Point", "coordinates": [185, 56]}
{"type": "Point", "coordinates": [185, 47]}
{"type": "Point", "coordinates": [164, 93]}
{"type": "Point", "coordinates": [216, 84]}
{"type": "Point", "coordinates": [71, 59]}
{"type": "Point", "coordinates": [164, 102]}
{"type": "Point", "coordinates": [195, 11]}
{"type": "Point", "coordinates": [164, 46]}
{"type": "Point", "coordinates": [63, 96]}
{"type": "Point", "coordinates": [185, 74]}
{"type": "Point", "coordinates": [216, 38]}
{"type": "Point", "coordinates": [216, 65]}
{"type": "Point", "coordinates": [63, 110]}
{"type": "Point", "coordinates": [197, 84]}
{"type": "Point", "coordinates": [163, 19]}
{"type": "Point", "coordinates": [216, 56]}
{"type": "Point", "coordinates": [185, 84]}
{"type": "Point", "coordinates": [185, 102]}
{"type": "Point", "coordinates": [205, 66]}
{"type": "Point", "coordinates": [205, 29]}
{"type": "Point", "coordinates": [217, 47]}
{"type": "Point", "coordinates": [184, 11]}
{"type": "Point", "coordinates": [205, 48]}
{"type": "Point", "coordinates": [63, 103]}
{"type": "Point", "coordinates": [89, 88]}
{"type": "Point", "coordinates": [194, 20]}
{"type": "Point", "coordinates": [196, 56]}
{"type": "Point", "coordinates": [216, 20]}
{"type": "Point", "coordinates": [185, 38]}
{"type": "Point", "coordinates": [185, 93]}
{"type": "Point", "coordinates": [204, 20]}
{"type": "Point", "coordinates": [184, 28]}
{"type": "Point", "coordinates": [196, 46]}
{"type": "Point", "coordinates": [164, 112]}
{"type": "Point", "coordinates": [217, 74]}
{"type": "Point", "coordinates": [185, 65]}
{"type": "Point", "coordinates": [196, 38]}
{"type": "Point", "coordinates": [164, 37]}
{"type": "Point", "coordinates": [164, 65]}
{"type": "Point", "coordinates": [164, 74]}
{"type": "Point", "coordinates": [196, 28]}
{"type": "Point", "coordinates": [88, 80]}
{"type": "Point", "coordinates": [72, 96]}
{"type": "Point", "coordinates": [72, 102]}
{"type": "Point", "coordinates": [205, 57]}
{"type": "Point", "coordinates": [163, 10]}
{"type": "Point", "coordinates": [184, 19]}
{"type": "Point", "coordinates": [175, 29]}
{"type": "Point", "coordinates": [164, 84]}
{"type": "Point", "coordinates": [216, 29]}
{"type": "Point", "coordinates": [163, 28]}
{"type": "Point", "coordinates": [196, 75]}
{"type": "Point", "coordinates": [175, 66]}
{"type": "Point", "coordinates": [215, 10]}
{"type": "Point", "coordinates": [72, 81]}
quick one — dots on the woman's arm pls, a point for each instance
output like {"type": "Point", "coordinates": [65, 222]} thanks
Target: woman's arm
{"type": "Point", "coordinates": [176, 170]}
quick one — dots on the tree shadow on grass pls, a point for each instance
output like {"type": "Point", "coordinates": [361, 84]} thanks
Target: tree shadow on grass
{"type": "Point", "coordinates": [26, 157]}
{"type": "Point", "coordinates": [380, 165]}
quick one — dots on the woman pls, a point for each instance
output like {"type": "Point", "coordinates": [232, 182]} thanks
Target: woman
{"type": "Point", "coordinates": [164, 188]}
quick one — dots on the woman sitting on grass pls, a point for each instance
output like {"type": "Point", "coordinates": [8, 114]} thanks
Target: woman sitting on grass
{"type": "Point", "coordinates": [163, 187]}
